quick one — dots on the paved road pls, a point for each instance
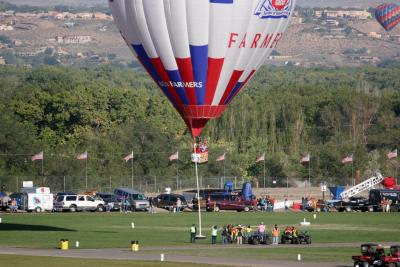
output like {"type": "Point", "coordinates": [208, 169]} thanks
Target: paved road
{"type": "Point", "coordinates": [147, 255]}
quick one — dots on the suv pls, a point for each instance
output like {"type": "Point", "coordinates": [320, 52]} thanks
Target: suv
{"type": "Point", "coordinates": [110, 201]}
{"type": "Point", "coordinates": [78, 203]}
{"type": "Point", "coordinates": [136, 200]}
{"type": "Point", "coordinates": [168, 201]}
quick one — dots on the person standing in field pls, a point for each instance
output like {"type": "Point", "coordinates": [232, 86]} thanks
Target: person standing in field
{"type": "Point", "coordinates": [275, 235]}
{"type": "Point", "coordinates": [178, 205]}
{"type": "Point", "coordinates": [239, 236]}
{"type": "Point", "coordinates": [193, 231]}
{"type": "Point", "coordinates": [214, 232]}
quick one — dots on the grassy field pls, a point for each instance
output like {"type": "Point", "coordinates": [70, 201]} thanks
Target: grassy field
{"type": "Point", "coordinates": [113, 230]}
{"type": "Point", "coordinates": [23, 261]}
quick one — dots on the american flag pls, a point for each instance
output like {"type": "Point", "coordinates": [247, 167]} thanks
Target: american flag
{"type": "Point", "coordinates": [128, 157]}
{"type": "Point", "coordinates": [38, 156]}
{"type": "Point", "coordinates": [82, 156]}
{"type": "Point", "coordinates": [347, 159]}
{"type": "Point", "coordinates": [305, 159]}
{"type": "Point", "coordinates": [221, 158]}
{"type": "Point", "coordinates": [260, 158]}
{"type": "Point", "coordinates": [174, 156]}
{"type": "Point", "coordinates": [392, 154]}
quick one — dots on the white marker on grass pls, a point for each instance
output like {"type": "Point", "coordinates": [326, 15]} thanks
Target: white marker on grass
{"type": "Point", "coordinates": [299, 257]}
{"type": "Point", "coordinates": [133, 225]}
{"type": "Point", "coordinates": [0, 220]}
{"type": "Point", "coordinates": [162, 257]}
{"type": "Point", "coordinates": [77, 244]}
{"type": "Point", "coordinates": [315, 216]}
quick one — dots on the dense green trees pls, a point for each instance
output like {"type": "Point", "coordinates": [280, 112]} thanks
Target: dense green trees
{"type": "Point", "coordinates": [110, 111]}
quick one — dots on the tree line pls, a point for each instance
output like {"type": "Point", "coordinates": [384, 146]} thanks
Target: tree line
{"type": "Point", "coordinates": [286, 112]}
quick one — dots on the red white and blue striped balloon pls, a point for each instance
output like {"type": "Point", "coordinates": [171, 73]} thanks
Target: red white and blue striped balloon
{"type": "Point", "coordinates": [388, 15]}
{"type": "Point", "coordinates": [201, 52]}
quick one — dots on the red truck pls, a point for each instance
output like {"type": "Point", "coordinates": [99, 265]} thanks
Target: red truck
{"type": "Point", "coordinates": [217, 202]}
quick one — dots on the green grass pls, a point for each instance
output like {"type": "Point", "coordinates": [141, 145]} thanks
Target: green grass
{"type": "Point", "coordinates": [113, 230]}
{"type": "Point", "coordinates": [23, 261]}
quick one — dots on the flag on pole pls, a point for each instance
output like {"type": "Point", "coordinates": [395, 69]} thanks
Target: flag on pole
{"type": "Point", "coordinates": [82, 156]}
{"type": "Point", "coordinates": [392, 154]}
{"type": "Point", "coordinates": [221, 158]}
{"type": "Point", "coordinates": [347, 159]}
{"type": "Point", "coordinates": [128, 157]}
{"type": "Point", "coordinates": [174, 156]}
{"type": "Point", "coordinates": [38, 156]}
{"type": "Point", "coordinates": [305, 159]}
{"type": "Point", "coordinates": [261, 158]}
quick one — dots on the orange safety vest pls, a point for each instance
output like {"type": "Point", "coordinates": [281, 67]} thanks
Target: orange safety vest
{"type": "Point", "coordinates": [275, 232]}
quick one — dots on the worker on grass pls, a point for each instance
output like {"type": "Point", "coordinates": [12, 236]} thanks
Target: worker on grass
{"type": "Point", "coordinates": [193, 231]}
{"type": "Point", "coordinates": [275, 235]}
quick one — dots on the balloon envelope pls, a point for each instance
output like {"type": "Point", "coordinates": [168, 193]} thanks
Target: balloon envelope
{"type": "Point", "coordinates": [388, 15]}
{"type": "Point", "coordinates": [201, 52]}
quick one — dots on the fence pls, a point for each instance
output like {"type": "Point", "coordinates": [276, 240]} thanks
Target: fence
{"type": "Point", "coordinates": [151, 184]}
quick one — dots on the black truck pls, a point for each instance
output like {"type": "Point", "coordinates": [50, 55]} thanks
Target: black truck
{"type": "Point", "coordinates": [376, 196]}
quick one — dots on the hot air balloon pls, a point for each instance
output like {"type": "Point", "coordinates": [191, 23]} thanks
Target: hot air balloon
{"type": "Point", "coordinates": [201, 52]}
{"type": "Point", "coordinates": [388, 15]}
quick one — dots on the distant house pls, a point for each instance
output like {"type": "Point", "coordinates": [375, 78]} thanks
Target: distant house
{"type": "Point", "coordinates": [73, 39]}
{"type": "Point", "coordinates": [2, 61]}
{"type": "Point", "coordinates": [374, 35]}
{"type": "Point", "coordinates": [5, 27]}
{"type": "Point", "coordinates": [358, 14]}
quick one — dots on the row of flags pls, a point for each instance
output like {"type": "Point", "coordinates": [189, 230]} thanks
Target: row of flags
{"type": "Point", "coordinates": [306, 159]}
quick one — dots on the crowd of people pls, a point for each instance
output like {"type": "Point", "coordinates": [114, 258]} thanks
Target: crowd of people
{"type": "Point", "coordinates": [238, 234]}
{"type": "Point", "coordinates": [264, 203]}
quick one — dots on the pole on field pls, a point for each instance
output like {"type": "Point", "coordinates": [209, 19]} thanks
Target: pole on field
{"type": "Point", "coordinates": [86, 180]}
{"type": "Point", "coordinates": [132, 172]}
{"type": "Point", "coordinates": [110, 184]}
{"type": "Point", "coordinates": [200, 236]}
{"type": "Point", "coordinates": [64, 183]}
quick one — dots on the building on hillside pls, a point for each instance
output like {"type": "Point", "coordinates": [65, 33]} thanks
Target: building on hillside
{"type": "Point", "coordinates": [332, 22]}
{"type": "Point", "coordinates": [2, 61]}
{"type": "Point", "coordinates": [84, 16]}
{"type": "Point", "coordinates": [358, 14]}
{"type": "Point", "coordinates": [5, 27]}
{"type": "Point", "coordinates": [374, 35]}
{"type": "Point", "coordinates": [73, 39]}
{"type": "Point", "coordinates": [101, 16]}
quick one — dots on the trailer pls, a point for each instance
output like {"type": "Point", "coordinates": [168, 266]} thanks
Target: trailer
{"type": "Point", "coordinates": [37, 199]}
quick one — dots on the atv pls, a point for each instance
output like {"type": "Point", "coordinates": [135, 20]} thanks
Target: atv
{"type": "Point", "coordinates": [303, 237]}
{"type": "Point", "coordinates": [392, 259]}
{"type": "Point", "coordinates": [257, 238]}
{"type": "Point", "coordinates": [370, 256]}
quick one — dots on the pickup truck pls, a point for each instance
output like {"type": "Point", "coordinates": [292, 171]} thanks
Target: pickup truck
{"type": "Point", "coordinates": [217, 202]}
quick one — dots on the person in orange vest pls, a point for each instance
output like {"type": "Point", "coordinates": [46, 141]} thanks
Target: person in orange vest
{"type": "Point", "coordinates": [275, 235]}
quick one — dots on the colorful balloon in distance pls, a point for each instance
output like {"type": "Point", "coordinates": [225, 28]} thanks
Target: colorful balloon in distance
{"type": "Point", "coordinates": [201, 53]}
{"type": "Point", "coordinates": [388, 15]}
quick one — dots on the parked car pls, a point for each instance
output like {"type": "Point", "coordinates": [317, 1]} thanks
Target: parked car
{"type": "Point", "coordinates": [137, 201]}
{"type": "Point", "coordinates": [78, 203]}
{"type": "Point", "coordinates": [217, 202]}
{"type": "Point", "coordinates": [168, 201]}
{"type": "Point", "coordinates": [111, 201]}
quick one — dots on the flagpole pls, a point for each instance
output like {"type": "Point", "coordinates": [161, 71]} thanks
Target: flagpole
{"type": "Point", "coordinates": [177, 172]}
{"type": "Point", "coordinates": [86, 173]}
{"type": "Point", "coordinates": [265, 190]}
{"type": "Point", "coordinates": [132, 171]}
{"type": "Point", "coordinates": [309, 174]}
{"type": "Point", "coordinates": [43, 171]}
{"type": "Point", "coordinates": [352, 171]}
